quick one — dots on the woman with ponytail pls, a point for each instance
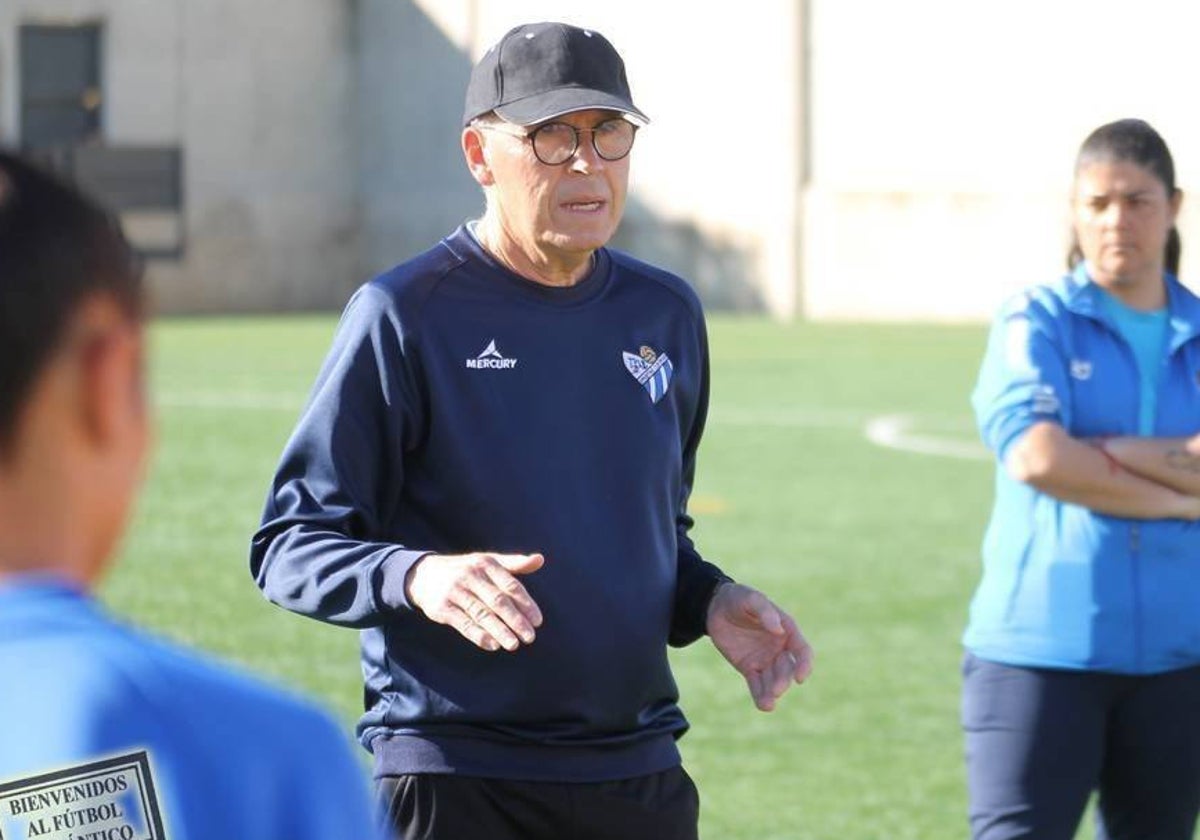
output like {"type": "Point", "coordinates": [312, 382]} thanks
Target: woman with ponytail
{"type": "Point", "coordinates": [1082, 670]}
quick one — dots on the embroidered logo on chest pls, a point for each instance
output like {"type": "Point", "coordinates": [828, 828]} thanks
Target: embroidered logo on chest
{"type": "Point", "coordinates": [651, 370]}
{"type": "Point", "coordinates": [491, 359]}
{"type": "Point", "coordinates": [1081, 369]}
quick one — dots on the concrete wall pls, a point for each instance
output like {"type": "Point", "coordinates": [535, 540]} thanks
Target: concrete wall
{"type": "Point", "coordinates": [870, 160]}
{"type": "Point", "coordinates": [413, 184]}
{"type": "Point", "coordinates": [269, 110]}
{"type": "Point", "coordinates": [321, 138]}
{"type": "Point", "coordinates": [944, 134]}
{"type": "Point", "coordinates": [262, 104]}
{"type": "Point", "coordinates": [140, 68]}
{"type": "Point", "coordinates": [840, 159]}
{"type": "Point", "coordinates": [714, 180]}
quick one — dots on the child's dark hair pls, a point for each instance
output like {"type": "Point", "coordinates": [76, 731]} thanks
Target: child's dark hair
{"type": "Point", "coordinates": [57, 249]}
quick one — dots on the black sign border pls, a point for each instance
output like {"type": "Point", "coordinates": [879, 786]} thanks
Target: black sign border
{"type": "Point", "coordinates": [140, 761]}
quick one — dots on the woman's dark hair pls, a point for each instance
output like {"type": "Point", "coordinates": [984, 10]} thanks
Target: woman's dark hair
{"type": "Point", "coordinates": [57, 249]}
{"type": "Point", "coordinates": [1135, 141]}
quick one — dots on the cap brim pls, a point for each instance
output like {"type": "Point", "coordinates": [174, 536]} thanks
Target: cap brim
{"type": "Point", "coordinates": [555, 103]}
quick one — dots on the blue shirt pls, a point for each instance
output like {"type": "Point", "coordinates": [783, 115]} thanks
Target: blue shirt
{"type": "Point", "coordinates": [1146, 334]}
{"type": "Point", "coordinates": [229, 756]}
{"type": "Point", "coordinates": [464, 408]}
{"type": "Point", "coordinates": [1063, 586]}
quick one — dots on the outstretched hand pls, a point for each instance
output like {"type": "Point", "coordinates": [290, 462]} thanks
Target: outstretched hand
{"type": "Point", "coordinates": [760, 640]}
{"type": "Point", "coordinates": [479, 596]}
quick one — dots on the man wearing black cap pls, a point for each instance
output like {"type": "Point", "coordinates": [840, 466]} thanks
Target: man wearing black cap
{"type": "Point", "coordinates": [491, 481]}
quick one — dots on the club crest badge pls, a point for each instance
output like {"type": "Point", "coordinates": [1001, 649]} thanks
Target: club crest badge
{"type": "Point", "coordinates": [1081, 369]}
{"type": "Point", "coordinates": [651, 370]}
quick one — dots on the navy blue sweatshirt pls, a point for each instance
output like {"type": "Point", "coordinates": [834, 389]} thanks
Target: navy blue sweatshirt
{"type": "Point", "coordinates": [463, 408]}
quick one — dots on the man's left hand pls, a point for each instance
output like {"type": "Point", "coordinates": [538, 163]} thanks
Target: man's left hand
{"type": "Point", "coordinates": [760, 640]}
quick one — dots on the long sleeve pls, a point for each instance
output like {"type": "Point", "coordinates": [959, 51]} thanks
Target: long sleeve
{"type": "Point", "coordinates": [697, 579]}
{"type": "Point", "coordinates": [321, 550]}
{"type": "Point", "coordinates": [1023, 379]}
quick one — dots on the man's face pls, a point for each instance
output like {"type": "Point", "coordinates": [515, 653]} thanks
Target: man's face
{"type": "Point", "coordinates": [562, 211]}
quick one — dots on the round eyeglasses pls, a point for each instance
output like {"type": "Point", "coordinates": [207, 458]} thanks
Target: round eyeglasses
{"type": "Point", "coordinates": [555, 143]}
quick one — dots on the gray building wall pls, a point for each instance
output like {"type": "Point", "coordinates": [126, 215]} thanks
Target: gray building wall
{"type": "Point", "coordinates": [413, 184]}
{"type": "Point", "coordinates": [260, 97]}
{"type": "Point", "coordinates": [796, 162]}
{"type": "Point", "coordinates": [320, 138]}
{"type": "Point", "coordinates": [267, 113]}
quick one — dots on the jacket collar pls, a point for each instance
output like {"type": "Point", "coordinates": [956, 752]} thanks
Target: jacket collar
{"type": "Point", "coordinates": [1084, 298]}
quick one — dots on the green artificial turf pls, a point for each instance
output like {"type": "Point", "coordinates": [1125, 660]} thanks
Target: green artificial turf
{"type": "Point", "coordinates": [874, 550]}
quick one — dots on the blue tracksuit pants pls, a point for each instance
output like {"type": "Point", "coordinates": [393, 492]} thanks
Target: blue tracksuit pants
{"type": "Point", "coordinates": [1039, 741]}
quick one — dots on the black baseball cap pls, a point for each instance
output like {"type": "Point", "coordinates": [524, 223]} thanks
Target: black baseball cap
{"type": "Point", "coordinates": [539, 71]}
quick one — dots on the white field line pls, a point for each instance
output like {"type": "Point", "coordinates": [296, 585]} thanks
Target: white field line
{"type": "Point", "coordinates": [891, 431]}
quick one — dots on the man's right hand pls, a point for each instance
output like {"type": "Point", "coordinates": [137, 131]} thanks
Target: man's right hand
{"type": "Point", "coordinates": [478, 595]}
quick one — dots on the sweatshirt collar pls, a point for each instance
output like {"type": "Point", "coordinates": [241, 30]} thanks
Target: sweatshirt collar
{"type": "Point", "coordinates": [465, 244]}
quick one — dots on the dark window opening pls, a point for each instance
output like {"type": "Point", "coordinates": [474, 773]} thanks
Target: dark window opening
{"type": "Point", "coordinates": [61, 126]}
{"type": "Point", "coordinates": [61, 96]}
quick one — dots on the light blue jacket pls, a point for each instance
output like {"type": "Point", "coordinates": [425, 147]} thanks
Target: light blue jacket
{"type": "Point", "coordinates": [1063, 586]}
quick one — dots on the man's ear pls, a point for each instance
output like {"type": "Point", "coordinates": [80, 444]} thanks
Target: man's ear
{"type": "Point", "coordinates": [109, 364]}
{"type": "Point", "coordinates": [476, 155]}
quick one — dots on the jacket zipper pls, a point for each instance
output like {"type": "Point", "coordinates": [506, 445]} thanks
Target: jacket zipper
{"type": "Point", "coordinates": [1135, 547]}
{"type": "Point", "coordinates": [1135, 528]}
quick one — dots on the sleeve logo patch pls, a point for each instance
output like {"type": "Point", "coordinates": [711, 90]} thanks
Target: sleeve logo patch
{"type": "Point", "coordinates": [113, 799]}
{"type": "Point", "coordinates": [652, 371]}
{"type": "Point", "coordinates": [1045, 401]}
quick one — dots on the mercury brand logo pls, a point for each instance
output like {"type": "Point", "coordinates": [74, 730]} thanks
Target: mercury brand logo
{"type": "Point", "coordinates": [491, 358]}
